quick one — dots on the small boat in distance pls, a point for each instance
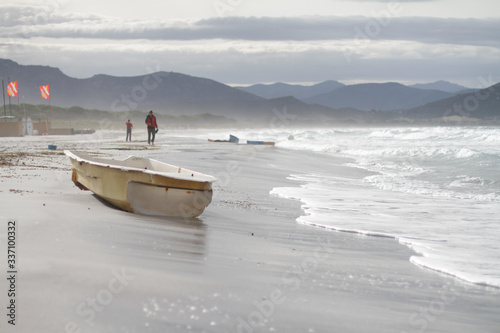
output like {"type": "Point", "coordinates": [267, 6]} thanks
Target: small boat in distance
{"type": "Point", "coordinates": [267, 143]}
{"type": "Point", "coordinates": [232, 139]}
{"type": "Point", "coordinates": [143, 185]}
{"type": "Point", "coordinates": [84, 131]}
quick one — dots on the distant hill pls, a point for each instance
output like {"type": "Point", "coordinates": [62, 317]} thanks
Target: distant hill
{"type": "Point", "coordinates": [378, 96]}
{"type": "Point", "coordinates": [483, 104]}
{"type": "Point", "coordinates": [104, 92]}
{"type": "Point", "coordinates": [301, 92]}
{"type": "Point", "coordinates": [441, 85]}
{"type": "Point", "coordinates": [165, 92]}
{"type": "Point", "coordinates": [180, 95]}
{"type": "Point", "coordinates": [276, 112]}
{"type": "Point", "coordinates": [80, 118]}
{"type": "Point", "coordinates": [30, 78]}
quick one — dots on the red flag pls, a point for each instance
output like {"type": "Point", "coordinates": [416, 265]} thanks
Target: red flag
{"type": "Point", "coordinates": [12, 90]}
{"type": "Point", "coordinates": [45, 91]}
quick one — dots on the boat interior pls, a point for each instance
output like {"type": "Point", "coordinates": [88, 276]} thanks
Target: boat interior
{"type": "Point", "coordinates": [135, 162]}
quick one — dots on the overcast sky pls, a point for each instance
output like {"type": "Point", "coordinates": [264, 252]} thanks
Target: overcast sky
{"type": "Point", "coordinates": [260, 41]}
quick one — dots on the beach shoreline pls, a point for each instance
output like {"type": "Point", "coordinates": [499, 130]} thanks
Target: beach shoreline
{"type": "Point", "coordinates": [245, 265]}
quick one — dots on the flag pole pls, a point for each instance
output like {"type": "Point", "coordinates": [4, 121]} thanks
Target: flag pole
{"type": "Point", "coordinates": [3, 90]}
{"type": "Point", "coordinates": [10, 105]}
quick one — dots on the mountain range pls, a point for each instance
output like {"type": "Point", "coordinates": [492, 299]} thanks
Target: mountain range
{"type": "Point", "coordinates": [441, 85]}
{"type": "Point", "coordinates": [369, 96]}
{"type": "Point", "coordinates": [104, 92]}
{"type": "Point", "coordinates": [483, 104]}
{"type": "Point", "coordinates": [180, 94]}
{"type": "Point", "coordinates": [378, 96]}
{"type": "Point", "coordinates": [301, 92]}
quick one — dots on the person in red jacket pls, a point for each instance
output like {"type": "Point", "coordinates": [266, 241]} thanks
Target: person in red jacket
{"type": "Point", "coordinates": [152, 127]}
{"type": "Point", "coordinates": [129, 130]}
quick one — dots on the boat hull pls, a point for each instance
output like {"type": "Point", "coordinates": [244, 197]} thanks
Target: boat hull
{"type": "Point", "coordinates": [158, 200]}
{"type": "Point", "coordinates": [143, 191]}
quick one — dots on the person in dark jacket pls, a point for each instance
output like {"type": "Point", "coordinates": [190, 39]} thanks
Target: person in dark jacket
{"type": "Point", "coordinates": [152, 127]}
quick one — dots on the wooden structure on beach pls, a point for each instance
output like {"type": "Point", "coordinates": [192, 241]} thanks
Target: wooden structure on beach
{"type": "Point", "coordinates": [11, 126]}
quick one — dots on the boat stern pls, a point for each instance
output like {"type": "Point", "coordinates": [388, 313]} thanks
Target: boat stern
{"type": "Point", "coordinates": [150, 199]}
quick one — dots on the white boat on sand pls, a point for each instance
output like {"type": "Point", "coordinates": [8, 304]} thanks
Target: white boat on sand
{"type": "Point", "coordinates": [143, 185]}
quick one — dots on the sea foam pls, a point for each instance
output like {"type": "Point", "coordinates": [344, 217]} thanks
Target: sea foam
{"type": "Point", "coordinates": [436, 190]}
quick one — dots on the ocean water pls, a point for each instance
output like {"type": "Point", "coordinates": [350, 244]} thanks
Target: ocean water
{"type": "Point", "coordinates": [436, 190]}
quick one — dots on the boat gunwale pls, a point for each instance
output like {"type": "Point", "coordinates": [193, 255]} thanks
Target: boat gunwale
{"type": "Point", "coordinates": [173, 175]}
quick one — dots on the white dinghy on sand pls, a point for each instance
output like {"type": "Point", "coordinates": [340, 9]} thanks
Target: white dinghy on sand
{"type": "Point", "coordinates": [143, 185]}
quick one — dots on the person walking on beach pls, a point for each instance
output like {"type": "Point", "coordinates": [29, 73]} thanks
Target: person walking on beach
{"type": "Point", "coordinates": [129, 130]}
{"type": "Point", "coordinates": [152, 127]}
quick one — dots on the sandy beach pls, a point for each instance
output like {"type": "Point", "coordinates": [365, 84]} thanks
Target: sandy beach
{"type": "Point", "coordinates": [245, 265]}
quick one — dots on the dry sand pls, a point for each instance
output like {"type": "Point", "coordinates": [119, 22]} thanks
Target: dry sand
{"type": "Point", "coordinates": [244, 265]}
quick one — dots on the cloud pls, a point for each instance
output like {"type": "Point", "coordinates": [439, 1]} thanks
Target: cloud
{"type": "Point", "coordinates": [385, 1]}
{"type": "Point", "coordinates": [261, 61]}
{"type": "Point", "coordinates": [31, 21]}
{"type": "Point", "coordinates": [38, 15]}
{"type": "Point", "coordinates": [254, 49]}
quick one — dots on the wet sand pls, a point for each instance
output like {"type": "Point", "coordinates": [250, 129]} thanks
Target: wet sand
{"type": "Point", "coordinates": [244, 265]}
